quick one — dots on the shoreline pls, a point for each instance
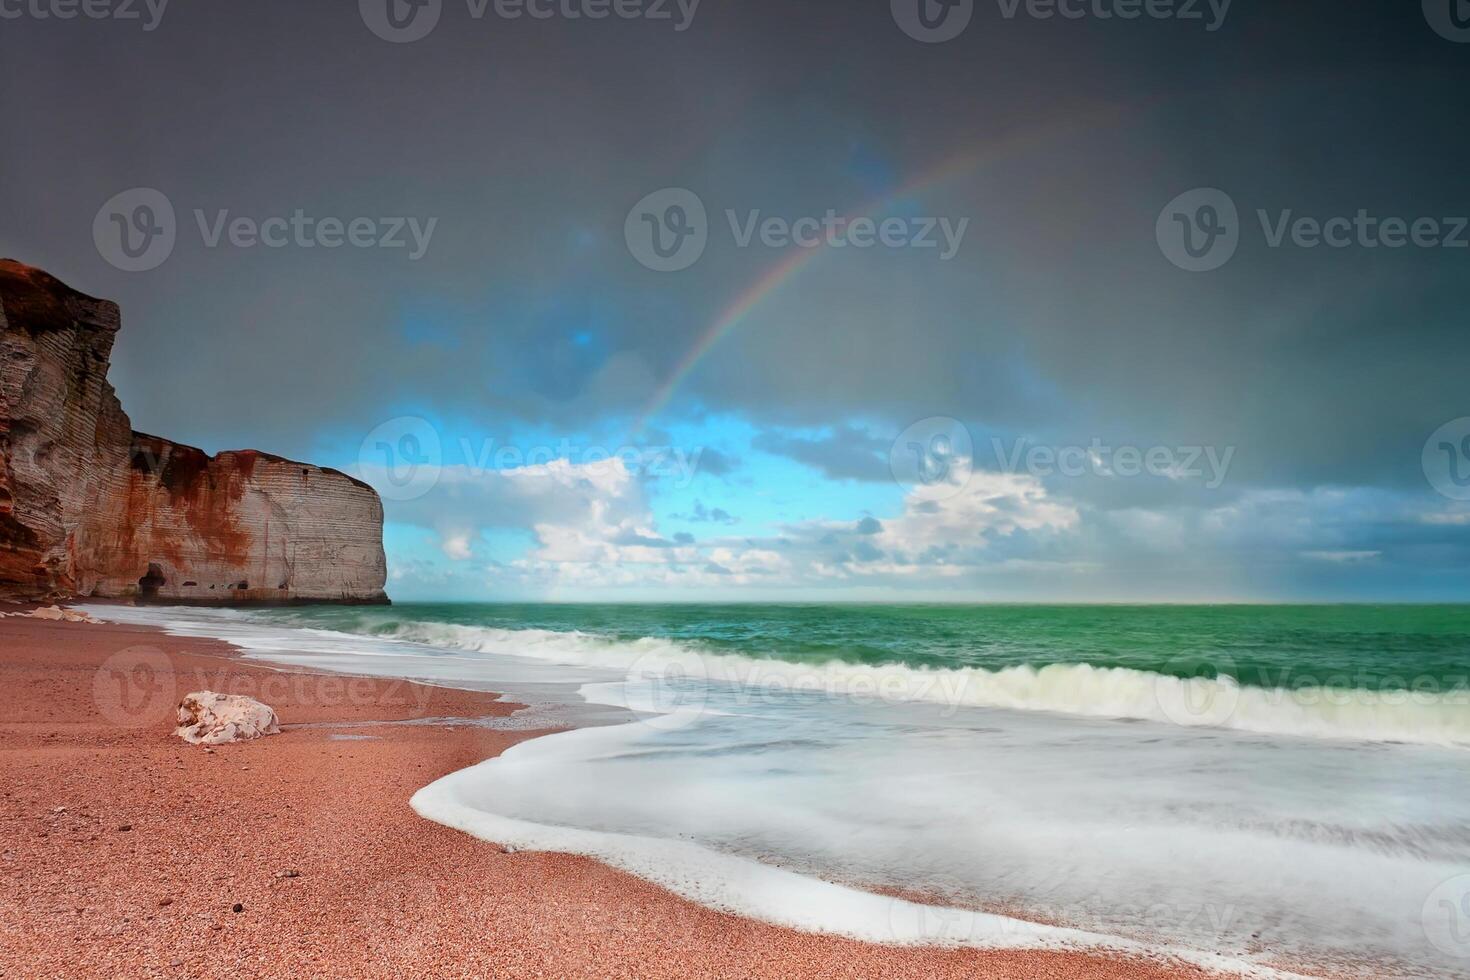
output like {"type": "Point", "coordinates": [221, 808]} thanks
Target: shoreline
{"type": "Point", "coordinates": [131, 848]}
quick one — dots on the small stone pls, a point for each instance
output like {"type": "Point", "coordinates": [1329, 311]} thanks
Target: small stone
{"type": "Point", "coordinates": [291, 873]}
{"type": "Point", "coordinates": [215, 927]}
{"type": "Point", "coordinates": [238, 907]}
{"type": "Point", "coordinates": [124, 827]}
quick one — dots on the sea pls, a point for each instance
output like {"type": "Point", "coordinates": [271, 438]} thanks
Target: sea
{"type": "Point", "coordinates": [1272, 790]}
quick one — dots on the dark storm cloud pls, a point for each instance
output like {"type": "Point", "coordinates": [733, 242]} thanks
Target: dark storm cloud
{"type": "Point", "coordinates": [631, 537]}
{"type": "Point", "coordinates": [529, 141]}
{"type": "Point", "coordinates": [700, 514]}
{"type": "Point", "coordinates": [712, 462]}
{"type": "Point", "coordinates": [846, 453]}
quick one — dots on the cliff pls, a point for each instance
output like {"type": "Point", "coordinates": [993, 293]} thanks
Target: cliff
{"type": "Point", "coordinates": [89, 507]}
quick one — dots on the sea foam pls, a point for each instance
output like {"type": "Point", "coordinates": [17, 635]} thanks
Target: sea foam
{"type": "Point", "coordinates": [754, 889]}
{"type": "Point", "coordinates": [668, 675]}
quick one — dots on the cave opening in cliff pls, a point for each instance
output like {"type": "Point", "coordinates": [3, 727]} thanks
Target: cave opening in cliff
{"type": "Point", "coordinates": [151, 582]}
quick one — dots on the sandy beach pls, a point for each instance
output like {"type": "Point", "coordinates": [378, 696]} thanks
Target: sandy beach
{"type": "Point", "coordinates": [131, 853]}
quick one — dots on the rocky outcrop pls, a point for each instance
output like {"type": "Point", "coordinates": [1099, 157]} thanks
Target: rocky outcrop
{"type": "Point", "coordinates": [90, 508]}
{"type": "Point", "coordinates": [55, 614]}
{"type": "Point", "coordinates": [207, 718]}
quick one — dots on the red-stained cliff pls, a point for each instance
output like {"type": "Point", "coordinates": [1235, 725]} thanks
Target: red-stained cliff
{"type": "Point", "coordinates": [90, 508]}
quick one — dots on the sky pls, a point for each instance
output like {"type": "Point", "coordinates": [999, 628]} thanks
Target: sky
{"type": "Point", "coordinates": [791, 301]}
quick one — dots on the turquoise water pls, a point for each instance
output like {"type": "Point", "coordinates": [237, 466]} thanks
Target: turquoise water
{"type": "Point", "coordinates": [1378, 647]}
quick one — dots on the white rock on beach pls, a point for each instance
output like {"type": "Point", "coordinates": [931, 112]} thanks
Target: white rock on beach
{"type": "Point", "coordinates": [54, 613]}
{"type": "Point", "coordinates": [207, 718]}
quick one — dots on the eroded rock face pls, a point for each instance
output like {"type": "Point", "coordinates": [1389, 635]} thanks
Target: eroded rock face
{"type": "Point", "coordinates": [90, 508]}
{"type": "Point", "coordinates": [207, 718]}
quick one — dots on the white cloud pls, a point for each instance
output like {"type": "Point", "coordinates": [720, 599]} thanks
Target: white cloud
{"type": "Point", "coordinates": [457, 546]}
{"type": "Point", "coordinates": [592, 528]}
{"type": "Point", "coordinates": [589, 527]}
{"type": "Point", "coordinates": [988, 504]}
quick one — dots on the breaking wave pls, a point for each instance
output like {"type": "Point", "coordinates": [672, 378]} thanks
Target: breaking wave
{"type": "Point", "coordinates": [665, 676]}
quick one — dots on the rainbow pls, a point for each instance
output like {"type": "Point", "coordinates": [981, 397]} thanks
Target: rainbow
{"type": "Point", "coordinates": [738, 310]}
